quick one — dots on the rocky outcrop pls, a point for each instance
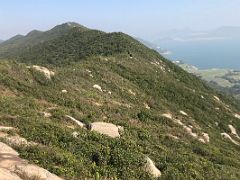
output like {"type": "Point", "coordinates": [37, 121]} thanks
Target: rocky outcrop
{"type": "Point", "coordinates": [12, 167]}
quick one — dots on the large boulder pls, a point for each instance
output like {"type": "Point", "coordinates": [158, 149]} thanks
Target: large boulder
{"type": "Point", "coordinates": [151, 168]}
{"type": "Point", "coordinates": [47, 73]}
{"type": "Point", "coordinates": [11, 163]}
{"type": "Point", "coordinates": [108, 129]}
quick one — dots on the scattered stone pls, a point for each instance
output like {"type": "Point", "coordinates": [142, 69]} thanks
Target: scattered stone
{"type": "Point", "coordinates": [237, 116]}
{"type": "Point", "coordinates": [167, 115]}
{"type": "Point", "coordinates": [216, 98]}
{"type": "Point", "coordinates": [189, 131]}
{"type": "Point", "coordinates": [183, 113]}
{"type": "Point", "coordinates": [147, 106]}
{"type": "Point", "coordinates": [88, 71]}
{"type": "Point", "coordinates": [47, 114]}
{"type": "Point", "coordinates": [205, 138]}
{"type": "Point", "coordinates": [98, 87]}
{"type": "Point", "coordinates": [108, 129]}
{"type": "Point", "coordinates": [151, 168]}
{"type": "Point", "coordinates": [5, 128]}
{"type": "Point", "coordinates": [202, 96]}
{"type": "Point", "coordinates": [172, 136]}
{"type": "Point", "coordinates": [121, 104]}
{"type": "Point", "coordinates": [131, 92]}
{"type": "Point", "coordinates": [109, 92]}
{"type": "Point", "coordinates": [76, 121]}
{"type": "Point", "coordinates": [47, 73]}
{"type": "Point", "coordinates": [97, 104]}
{"type": "Point", "coordinates": [226, 136]}
{"type": "Point", "coordinates": [233, 131]}
{"type": "Point", "coordinates": [75, 134]}
{"type": "Point", "coordinates": [64, 91]}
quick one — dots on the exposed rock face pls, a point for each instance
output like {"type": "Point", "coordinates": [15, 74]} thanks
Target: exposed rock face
{"type": "Point", "coordinates": [108, 129]}
{"type": "Point", "coordinates": [151, 168]}
{"type": "Point", "coordinates": [47, 73]}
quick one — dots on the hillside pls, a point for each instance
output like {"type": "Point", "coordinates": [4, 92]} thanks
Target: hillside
{"type": "Point", "coordinates": [169, 123]}
{"type": "Point", "coordinates": [19, 43]}
{"type": "Point", "coordinates": [225, 80]}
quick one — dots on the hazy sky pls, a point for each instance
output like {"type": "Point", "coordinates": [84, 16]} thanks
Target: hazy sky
{"type": "Point", "coordinates": [136, 17]}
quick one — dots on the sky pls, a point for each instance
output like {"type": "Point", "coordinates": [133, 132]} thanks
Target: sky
{"type": "Point", "coordinates": [140, 18]}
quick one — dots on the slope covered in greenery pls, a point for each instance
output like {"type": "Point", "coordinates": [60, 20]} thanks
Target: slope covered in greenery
{"type": "Point", "coordinates": [19, 43]}
{"type": "Point", "coordinates": [138, 87]}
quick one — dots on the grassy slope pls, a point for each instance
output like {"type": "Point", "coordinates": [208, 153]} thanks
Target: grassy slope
{"type": "Point", "coordinates": [145, 130]}
{"type": "Point", "coordinates": [125, 65]}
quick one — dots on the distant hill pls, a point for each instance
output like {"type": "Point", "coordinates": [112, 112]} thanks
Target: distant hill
{"type": "Point", "coordinates": [224, 32]}
{"type": "Point", "coordinates": [19, 43]}
{"type": "Point", "coordinates": [85, 104]}
{"type": "Point", "coordinates": [68, 42]}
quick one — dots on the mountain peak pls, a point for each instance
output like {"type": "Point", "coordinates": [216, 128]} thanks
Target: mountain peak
{"type": "Point", "coordinates": [34, 32]}
{"type": "Point", "coordinates": [69, 25]}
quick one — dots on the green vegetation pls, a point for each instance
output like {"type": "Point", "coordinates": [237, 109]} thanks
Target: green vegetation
{"type": "Point", "coordinates": [118, 64]}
